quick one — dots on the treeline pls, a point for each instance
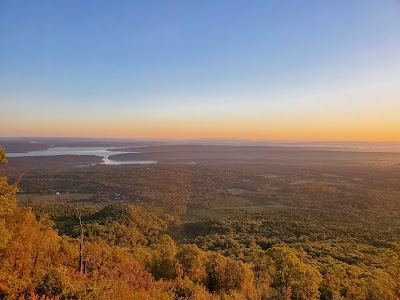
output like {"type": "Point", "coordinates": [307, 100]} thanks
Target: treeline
{"type": "Point", "coordinates": [37, 263]}
{"type": "Point", "coordinates": [127, 256]}
{"type": "Point", "coordinates": [133, 252]}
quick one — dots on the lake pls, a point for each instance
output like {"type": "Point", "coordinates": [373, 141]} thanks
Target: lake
{"type": "Point", "coordinates": [98, 151]}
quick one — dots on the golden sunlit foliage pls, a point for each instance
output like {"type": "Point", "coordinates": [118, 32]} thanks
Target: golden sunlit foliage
{"type": "Point", "coordinates": [129, 253]}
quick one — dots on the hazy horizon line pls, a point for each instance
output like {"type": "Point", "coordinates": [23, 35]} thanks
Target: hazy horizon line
{"type": "Point", "coordinates": [199, 139]}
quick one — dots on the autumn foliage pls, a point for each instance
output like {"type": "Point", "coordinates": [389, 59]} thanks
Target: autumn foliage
{"type": "Point", "coordinates": [128, 254]}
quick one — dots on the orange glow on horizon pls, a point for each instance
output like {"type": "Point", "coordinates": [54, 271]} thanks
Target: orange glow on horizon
{"type": "Point", "coordinates": [377, 123]}
{"type": "Point", "coordinates": [256, 130]}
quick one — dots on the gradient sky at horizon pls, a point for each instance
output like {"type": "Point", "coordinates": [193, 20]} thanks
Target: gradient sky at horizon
{"type": "Point", "coordinates": [294, 70]}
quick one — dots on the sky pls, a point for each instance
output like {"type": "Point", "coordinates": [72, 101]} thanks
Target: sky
{"type": "Point", "coordinates": [275, 70]}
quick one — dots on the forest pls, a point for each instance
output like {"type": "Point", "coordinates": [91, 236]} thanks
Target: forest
{"type": "Point", "coordinates": [310, 225]}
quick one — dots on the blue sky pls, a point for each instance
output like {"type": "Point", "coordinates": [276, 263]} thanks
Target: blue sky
{"type": "Point", "coordinates": [103, 64]}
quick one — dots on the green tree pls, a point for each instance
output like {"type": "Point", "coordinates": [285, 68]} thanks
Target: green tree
{"type": "Point", "coordinates": [164, 260]}
{"type": "Point", "coordinates": [291, 277]}
{"type": "Point", "coordinates": [228, 275]}
{"type": "Point", "coordinates": [51, 284]}
{"type": "Point", "coordinates": [192, 260]}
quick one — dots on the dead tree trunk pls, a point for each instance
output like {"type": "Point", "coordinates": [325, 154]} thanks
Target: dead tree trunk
{"type": "Point", "coordinates": [81, 263]}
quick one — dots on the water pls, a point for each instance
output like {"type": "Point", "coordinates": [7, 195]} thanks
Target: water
{"type": "Point", "coordinates": [98, 151]}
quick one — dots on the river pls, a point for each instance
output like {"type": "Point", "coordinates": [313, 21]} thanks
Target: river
{"type": "Point", "coordinates": [98, 151]}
